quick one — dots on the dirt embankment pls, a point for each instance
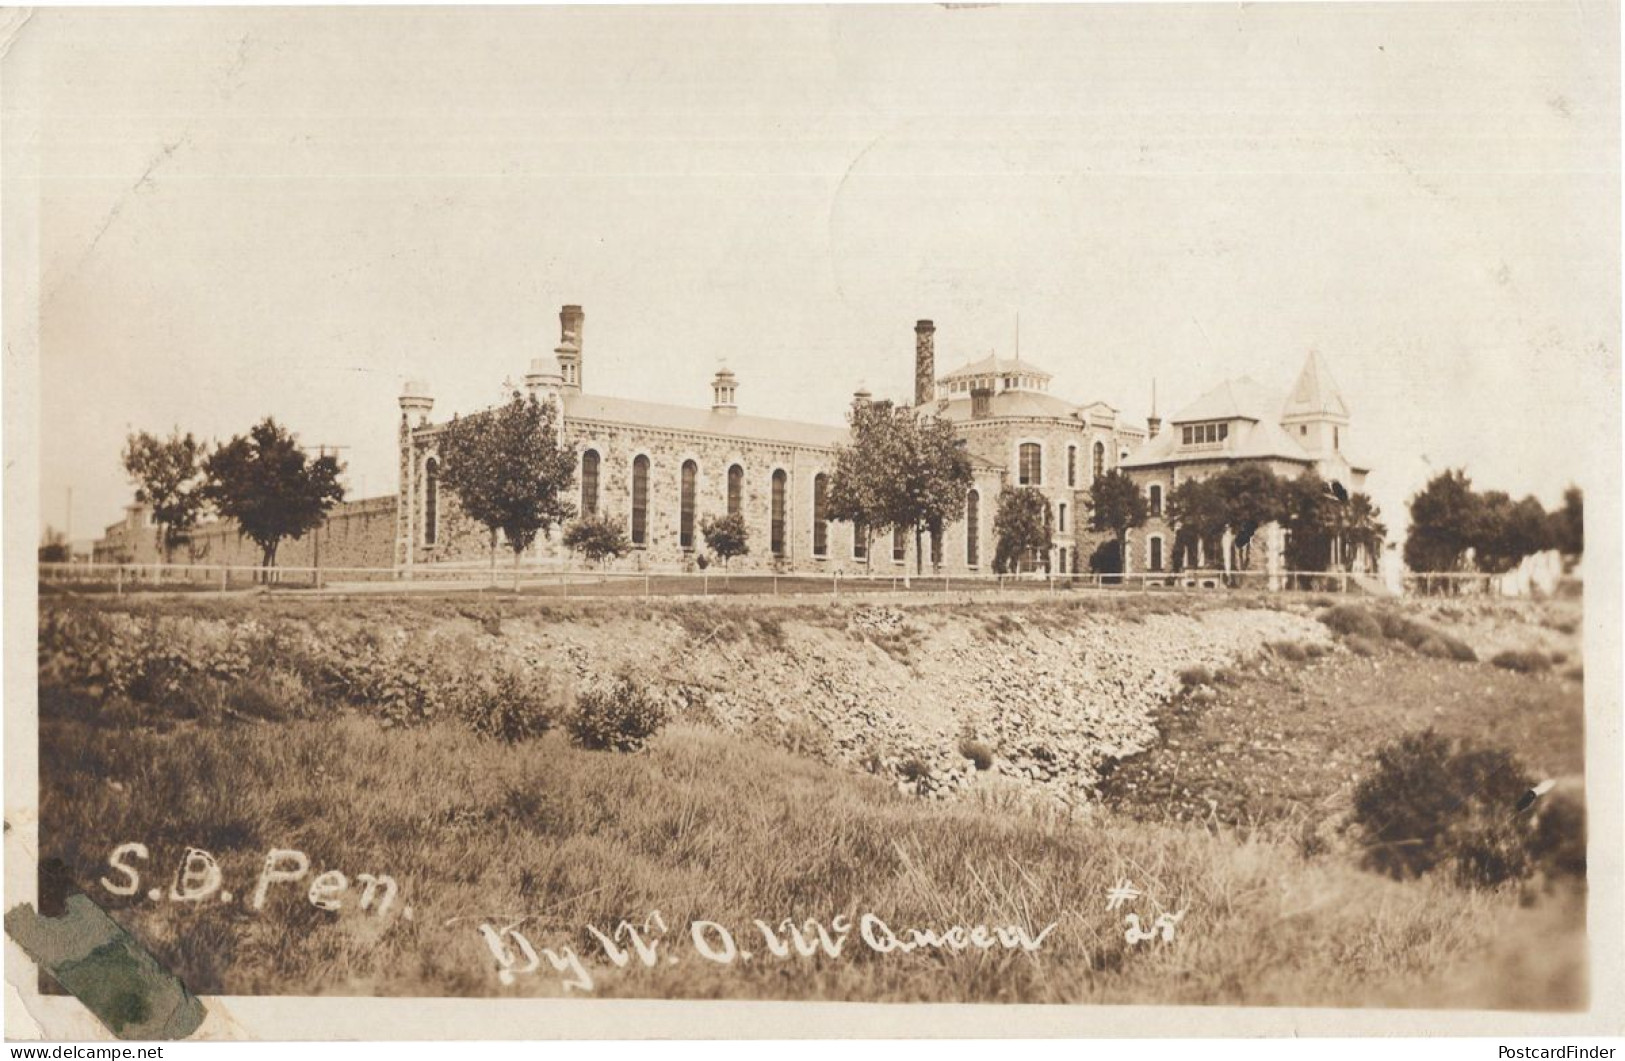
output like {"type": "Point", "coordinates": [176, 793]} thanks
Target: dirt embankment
{"type": "Point", "coordinates": [910, 693]}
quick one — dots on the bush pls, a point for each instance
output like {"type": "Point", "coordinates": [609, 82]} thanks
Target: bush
{"type": "Point", "coordinates": [1558, 845]}
{"type": "Point", "coordinates": [1524, 661]}
{"type": "Point", "coordinates": [1351, 619]}
{"type": "Point", "coordinates": [1289, 650]}
{"type": "Point", "coordinates": [1425, 639]}
{"type": "Point", "coordinates": [980, 755]}
{"type": "Point", "coordinates": [1191, 677]}
{"type": "Point", "coordinates": [1362, 646]}
{"type": "Point", "coordinates": [508, 705]}
{"type": "Point", "coordinates": [1436, 803]}
{"type": "Point", "coordinates": [620, 717]}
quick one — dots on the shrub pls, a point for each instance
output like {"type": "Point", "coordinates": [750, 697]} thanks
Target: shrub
{"type": "Point", "coordinates": [508, 705]}
{"type": "Point", "coordinates": [1524, 661]}
{"type": "Point", "coordinates": [980, 755]}
{"type": "Point", "coordinates": [1351, 619]}
{"type": "Point", "coordinates": [620, 717]}
{"type": "Point", "coordinates": [1191, 677]}
{"type": "Point", "coordinates": [1289, 650]}
{"type": "Point", "coordinates": [1425, 639]}
{"type": "Point", "coordinates": [1436, 803]}
{"type": "Point", "coordinates": [1558, 845]}
{"type": "Point", "coordinates": [1362, 646]}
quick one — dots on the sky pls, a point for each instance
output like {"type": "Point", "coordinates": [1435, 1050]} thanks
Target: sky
{"type": "Point", "coordinates": [292, 212]}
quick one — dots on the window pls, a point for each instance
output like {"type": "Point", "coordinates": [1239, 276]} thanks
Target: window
{"type": "Point", "coordinates": [736, 490]}
{"type": "Point", "coordinates": [899, 545]}
{"type": "Point", "coordinates": [936, 549]}
{"type": "Point", "coordinates": [1337, 438]}
{"type": "Point", "coordinates": [1100, 459]}
{"type": "Point", "coordinates": [820, 523]}
{"type": "Point", "coordinates": [431, 501]}
{"type": "Point", "coordinates": [1156, 554]}
{"type": "Point", "coordinates": [1204, 434]}
{"type": "Point", "coordinates": [685, 526]}
{"type": "Point", "coordinates": [1061, 518]}
{"type": "Point", "coordinates": [1071, 466]}
{"type": "Point", "coordinates": [1303, 429]}
{"type": "Point", "coordinates": [1156, 499]}
{"type": "Point", "coordinates": [973, 529]}
{"type": "Point", "coordinates": [640, 500]}
{"type": "Point", "coordinates": [780, 480]}
{"type": "Point", "coordinates": [589, 483]}
{"type": "Point", "coordinates": [1030, 464]}
{"type": "Point", "coordinates": [860, 544]}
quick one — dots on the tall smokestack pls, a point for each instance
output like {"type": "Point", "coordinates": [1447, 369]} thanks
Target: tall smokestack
{"type": "Point", "coordinates": [925, 361]}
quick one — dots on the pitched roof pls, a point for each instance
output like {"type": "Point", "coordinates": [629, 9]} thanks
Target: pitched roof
{"type": "Point", "coordinates": [1233, 399]}
{"type": "Point", "coordinates": [1260, 440]}
{"type": "Point", "coordinates": [1315, 393]}
{"type": "Point", "coordinates": [993, 365]}
{"type": "Point", "coordinates": [593, 407]}
{"type": "Point", "coordinates": [1010, 403]}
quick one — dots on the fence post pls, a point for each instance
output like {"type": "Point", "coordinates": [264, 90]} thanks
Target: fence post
{"type": "Point", "coordinates": [775, 583]}
{"type": "Point", "coordinates": [118, 579]}
{"type": "Point", "coordinates": [646, 584]}
{"type": "Point", "coordinates": [705, 584]}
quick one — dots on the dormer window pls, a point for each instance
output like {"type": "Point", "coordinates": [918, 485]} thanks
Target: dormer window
{"type": "Point", "coordinates": [1208, 434]}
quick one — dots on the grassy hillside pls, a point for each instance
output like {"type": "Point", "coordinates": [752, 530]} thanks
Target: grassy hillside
{"type": "Point", "coordinates": [710, 826]}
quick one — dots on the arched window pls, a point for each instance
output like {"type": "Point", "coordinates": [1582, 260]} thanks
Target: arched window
{"type": "Point", "coordinates": [820, 523]}
{"type": "Point", "coordinates": [685, 526]}
{"type": "Point", "coordinates": [1030, 466]}
{"type": "Point", "coordinates": [1060, 521]}
{"type": "Point", "coordinates": [640, 500]}
{"type": "Point", "coordinates": [589, 483]}
{"type": "Point", "coordinates": [1156, 554]}
{"type": "Point", "coordinates": [1156, 499]}
{"type": "Point", "coordinates": [899, 544]}
{"type": "Point", "coordinates": [1100, 459]}
{"type": "Point", "coordinates": [431, 501]}
{"type": "Point", "coordinates": [780, 481]}
{"type": "Point", "coordinates": [736, 489]}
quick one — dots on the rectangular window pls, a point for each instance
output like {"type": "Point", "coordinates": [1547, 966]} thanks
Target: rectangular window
{"type": "Point", "coordinates": [899, 545]}
{"type": "Point", "coordinates": [1030, 464]}
{"type": "Point", "coordinates": [1185, 434]}
{"type": "Point", "coordinates": [860, 547]}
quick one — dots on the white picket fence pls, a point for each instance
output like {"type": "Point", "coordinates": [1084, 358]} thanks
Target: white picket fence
{"type": "Point", "coordinates": [565, 582]}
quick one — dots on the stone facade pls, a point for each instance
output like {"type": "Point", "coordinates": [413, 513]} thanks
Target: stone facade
{"type": "Point", "coordinates": [618, 437]}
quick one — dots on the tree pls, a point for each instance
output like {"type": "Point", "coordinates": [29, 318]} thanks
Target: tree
{"type": "Point", "coordinates": [726, 536]}
{"type": "Point", "coordinates": [1197, 513]}
{"type": "Point", "coordinates": [1251, 496]}
{"type": "Point", "coordinates": [900, 469]}
{"type": "Point", "coordinates": [1445, 515]}
{"type": "Point", "coordinates": [1567, 524]}
{"type": "Point", "coordinates": [1507, 531]}
{"type": "Point", "coordinates": [54, 549]}
{"type": "Point", "coordinates": [1021, 529]}
{"type": "Point", "coordinates": [1116, 505]}
{"type": "Point", "coordinates": [1310, 516]}
{"type": "Point", "coordinates": [269, 487]}
{"type": "Point", "coordinates": [1362, 530]}
{"type": "Point", "coordinates": [598, 538]}
{"type": "Point", "coordinates": [168, 478]}
{"type": "Point", "coordinates": [509, 472]}
{"type": "Point", "coordinates": [859, 487]}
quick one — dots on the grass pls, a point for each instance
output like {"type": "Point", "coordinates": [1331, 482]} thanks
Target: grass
{"type": "Point", "coordinates": [700, 827]}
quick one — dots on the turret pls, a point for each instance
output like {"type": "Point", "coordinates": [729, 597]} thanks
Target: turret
{"type": "Point", "coordinates": [723, 386]}
{"type": "Point", "coordinates": [415, 399]}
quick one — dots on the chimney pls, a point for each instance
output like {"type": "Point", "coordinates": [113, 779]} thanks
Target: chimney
{"type": "Point", "coordinates": [415, 399]}
{"type": "Point", "coordinates": [981, 403]}
{"type": "Point", "coordinates": [1153, 423]}
{"type": "Point", "coordinates": [723, 386]}
{"type": "Point", "coordinates": [571, 322]}
{"type": "Point", "coordinates": [925, 361]}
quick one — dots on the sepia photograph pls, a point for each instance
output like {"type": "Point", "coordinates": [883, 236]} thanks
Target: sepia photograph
{"type": "Point", "coordinates": [1075, 507]}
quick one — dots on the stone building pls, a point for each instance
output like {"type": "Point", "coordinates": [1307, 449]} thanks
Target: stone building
{"type": "Point", "coordinates": [661, 469]}
{"type": "Point", "coordinates": [1241, 422]}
